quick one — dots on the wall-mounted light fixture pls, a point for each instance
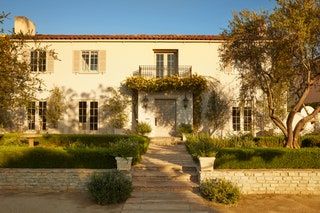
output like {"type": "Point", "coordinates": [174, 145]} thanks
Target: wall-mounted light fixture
{"type": "Point", "coordinates": [145, 101]}
{"type": "Point", "coordinates": [185, 101]}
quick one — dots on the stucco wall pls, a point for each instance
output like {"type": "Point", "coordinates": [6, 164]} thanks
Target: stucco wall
{"type": "Point", "coordinates": [47, 180]}
{"type": "Point", "coordinates": [270, 181]}
{"type": "Point", "coordinates": [123, 58]}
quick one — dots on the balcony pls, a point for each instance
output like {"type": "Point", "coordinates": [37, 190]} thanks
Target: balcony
{"type": "Point", "coordinates": [153, 71]}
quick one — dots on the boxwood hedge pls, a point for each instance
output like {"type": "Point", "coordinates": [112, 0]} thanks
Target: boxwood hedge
{"type": "Point", "coordinates": [268, 158]}
{"type": "Point", "coordinates": [41, 157]}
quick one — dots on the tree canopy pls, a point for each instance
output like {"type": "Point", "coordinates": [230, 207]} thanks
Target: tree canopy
{"type": "Point", "coordinates": [277, 53]}
{"type": "Point", "coordinates": [17, 85]}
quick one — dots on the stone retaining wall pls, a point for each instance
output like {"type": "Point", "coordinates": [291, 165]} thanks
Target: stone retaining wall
{"type": "Point", "coordinates": [270, 181]}
{"type": "Point", "coordinates": [47, 180]}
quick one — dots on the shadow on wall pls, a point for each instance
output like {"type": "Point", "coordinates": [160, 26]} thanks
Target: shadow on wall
{"type": "Point", "coordinates": [70, 121]}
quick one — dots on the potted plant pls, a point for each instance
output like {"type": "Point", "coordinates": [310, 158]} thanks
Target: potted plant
{"type": "Point", "coordinates": [185, 129]}
{"type": "Point", "coordinates": [143, 128]}
{"type": "Point", "coordinates": [204, 149]}
{"type": "Point", "coordinates": [124, 151]}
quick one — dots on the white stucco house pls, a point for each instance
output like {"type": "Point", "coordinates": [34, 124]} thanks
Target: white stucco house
{"type": "Point", "coordinates": [88, 64]}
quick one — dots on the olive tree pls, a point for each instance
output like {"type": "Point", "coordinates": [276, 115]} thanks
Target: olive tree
{"type": "Point", "coordinates": [277, 53]}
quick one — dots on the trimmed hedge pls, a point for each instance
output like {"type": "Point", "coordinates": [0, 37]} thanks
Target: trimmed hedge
{"type": "Point", "coordinates": [310, 141]}
{"type": "Point", "coordinates": [41, 157]}
{"type": "Point", "coordinates": [267, 158]}
{"type": "Point", "coordinates": [87, 140]}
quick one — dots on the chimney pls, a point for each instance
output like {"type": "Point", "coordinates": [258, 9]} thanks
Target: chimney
{"type": "Point", "coordinates": [24, 25]}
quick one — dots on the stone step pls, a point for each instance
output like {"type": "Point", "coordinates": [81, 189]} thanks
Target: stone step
{"type": "Point", "coordinates": [167, 141]}
{"type": "Point", "coordinates": [160, 176]}
{"type": "Point", "coordinates": [165, 168]}
{"type": "Point", "coordinates": [163, 186]}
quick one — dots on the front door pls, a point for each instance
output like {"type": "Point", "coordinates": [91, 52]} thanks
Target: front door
{"type": "Point", "coordinates": [165, 117]}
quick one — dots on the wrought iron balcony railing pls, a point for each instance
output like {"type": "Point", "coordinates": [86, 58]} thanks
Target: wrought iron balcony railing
{"type": "Point", "coordinates": [153, 71]}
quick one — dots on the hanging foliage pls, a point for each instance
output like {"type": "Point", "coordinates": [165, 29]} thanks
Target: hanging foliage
{"type": "Point", "coordinates": [194, 83]}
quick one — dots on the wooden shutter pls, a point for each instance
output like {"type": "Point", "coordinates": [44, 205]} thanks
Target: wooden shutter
{"type": "Point", "coordinates": [76, 61]}
{"type": "Point", "coordinates": [50, 62]}
{"type": "Point", "coordinates": [102, 61]}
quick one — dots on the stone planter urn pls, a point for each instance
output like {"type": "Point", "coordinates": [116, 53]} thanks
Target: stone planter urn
{"type": "Point", "coordinates": [206, 163]}
{"type": "Point", "coordinates": [124, 164]}
{"type": "Point", "coordinates": [184, 137]}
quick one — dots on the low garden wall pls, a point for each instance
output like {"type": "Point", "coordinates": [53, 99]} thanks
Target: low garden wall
{"type": "Point", "coordinates": [46, 180]}
{"type": "Point", "coordinates": [280, 181]}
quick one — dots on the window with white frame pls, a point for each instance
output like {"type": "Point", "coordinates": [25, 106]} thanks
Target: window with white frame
{"type": "Point", "coordinates": [92, 122]}
{"type": "Point", "coordinates": [82, 115]}
{"type": "Point", "coordinates": [38, 61]}
{"type": "Point", "coordinates": [247, 118]}
{"type": "Point", "coordinates": [236, 118]}
{"type": "Point", "coordinates": [31, 115]}
{"type": "Point", "coordinates": [43, 114]}
{"type": "Point", "coordinates": [89, 61]}
{"type": "Point", "coordinates": [93, 115]}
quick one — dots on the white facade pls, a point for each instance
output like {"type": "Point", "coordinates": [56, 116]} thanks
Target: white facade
{"type": "Point", "coordinates": [119, 57]}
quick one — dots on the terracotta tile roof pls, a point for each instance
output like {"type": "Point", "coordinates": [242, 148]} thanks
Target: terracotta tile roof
{"type": "Point", "coordinates": [126, 37]}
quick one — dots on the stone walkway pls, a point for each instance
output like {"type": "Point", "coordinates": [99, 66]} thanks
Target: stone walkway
{"type": "Point", "coordinates": [165, 181]}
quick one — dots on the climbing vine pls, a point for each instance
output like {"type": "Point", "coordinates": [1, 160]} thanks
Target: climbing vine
{"type": "Point", "coordinates": [196, 84]}
{"type": "Point", "coordinates": [193, 83]}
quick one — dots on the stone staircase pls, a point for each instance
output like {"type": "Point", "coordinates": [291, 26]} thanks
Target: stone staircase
{"type": "Point", "coordinates": [165, 180]}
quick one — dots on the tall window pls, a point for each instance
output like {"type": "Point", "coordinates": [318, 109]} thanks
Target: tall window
{"type": "Point", "coordinates": [93, 115]}
{"type": "Point", "coordinates": [247, 118]}
{"type": "Point", "coordinates": [38, 61]}
{"type": "Point", "coordinates": [236, 118]}
{"type": "Point", "coordinates": [42, 114]}
{"type": "Point", "coordinates": [166, 63]}
{"type": "Point", "coordinates": [89, 60]}
{"type": "Point", "coordinates": [31, 114]}
{"type": "Point", "coordinates": [82, 115]}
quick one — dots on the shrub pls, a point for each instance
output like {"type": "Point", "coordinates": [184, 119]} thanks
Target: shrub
{"type": "Point", "coordinates": [143, 128]}
{"type": "Point", "coordinates": [185, 128]}
{"type": "Point", "coordinates": [126, 148]}
{"type": "Point", "coordinates": [267, 158]}
{"type": "Point", "coordinates": [41, 157]}
{"type": "Point", "coordinates": [86, 140]}
{"type": "Point", "coordinates": [220, 190]}
{"type": "Point", "coordinates": [202, 145]}
{"type": "Point", "coordinates": [310, 141]}
{"type": "Point", "coordinates": [269, 141]}
{"type": "Point", "coordinates": [110, 187]}
{"type": "Point", "coordinates": [13, 139]}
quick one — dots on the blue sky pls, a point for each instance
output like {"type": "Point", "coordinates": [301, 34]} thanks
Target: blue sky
{"type": "Point", "coordinates": [129, 16]}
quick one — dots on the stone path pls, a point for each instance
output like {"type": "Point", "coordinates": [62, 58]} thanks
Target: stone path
{"type": "Point", "coordinates": [165, 181]}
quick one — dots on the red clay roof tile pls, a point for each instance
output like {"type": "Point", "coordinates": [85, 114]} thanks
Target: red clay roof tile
{"type": "Point", "coordinates": [127, 37]}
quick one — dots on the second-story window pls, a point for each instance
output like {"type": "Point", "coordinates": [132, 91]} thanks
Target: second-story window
{"type": "Point", "coordinates": [89, 61]}
{"type": "Point", "coordinates": [166, 62]}
{"type": "Point", "coordinates": [38, 61]}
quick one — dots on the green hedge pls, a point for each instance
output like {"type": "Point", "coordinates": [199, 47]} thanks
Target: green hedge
{"type": "Point", "coordinates": [79, 140]}
{"type": "Point", "coordinates": [310, 141]}
{"type": "Point", "coordinates": [72, 151]}
{"type": "Point", "coordinates": [268, 158]}
{"type": "Point", "coordinates": [40, 157]}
